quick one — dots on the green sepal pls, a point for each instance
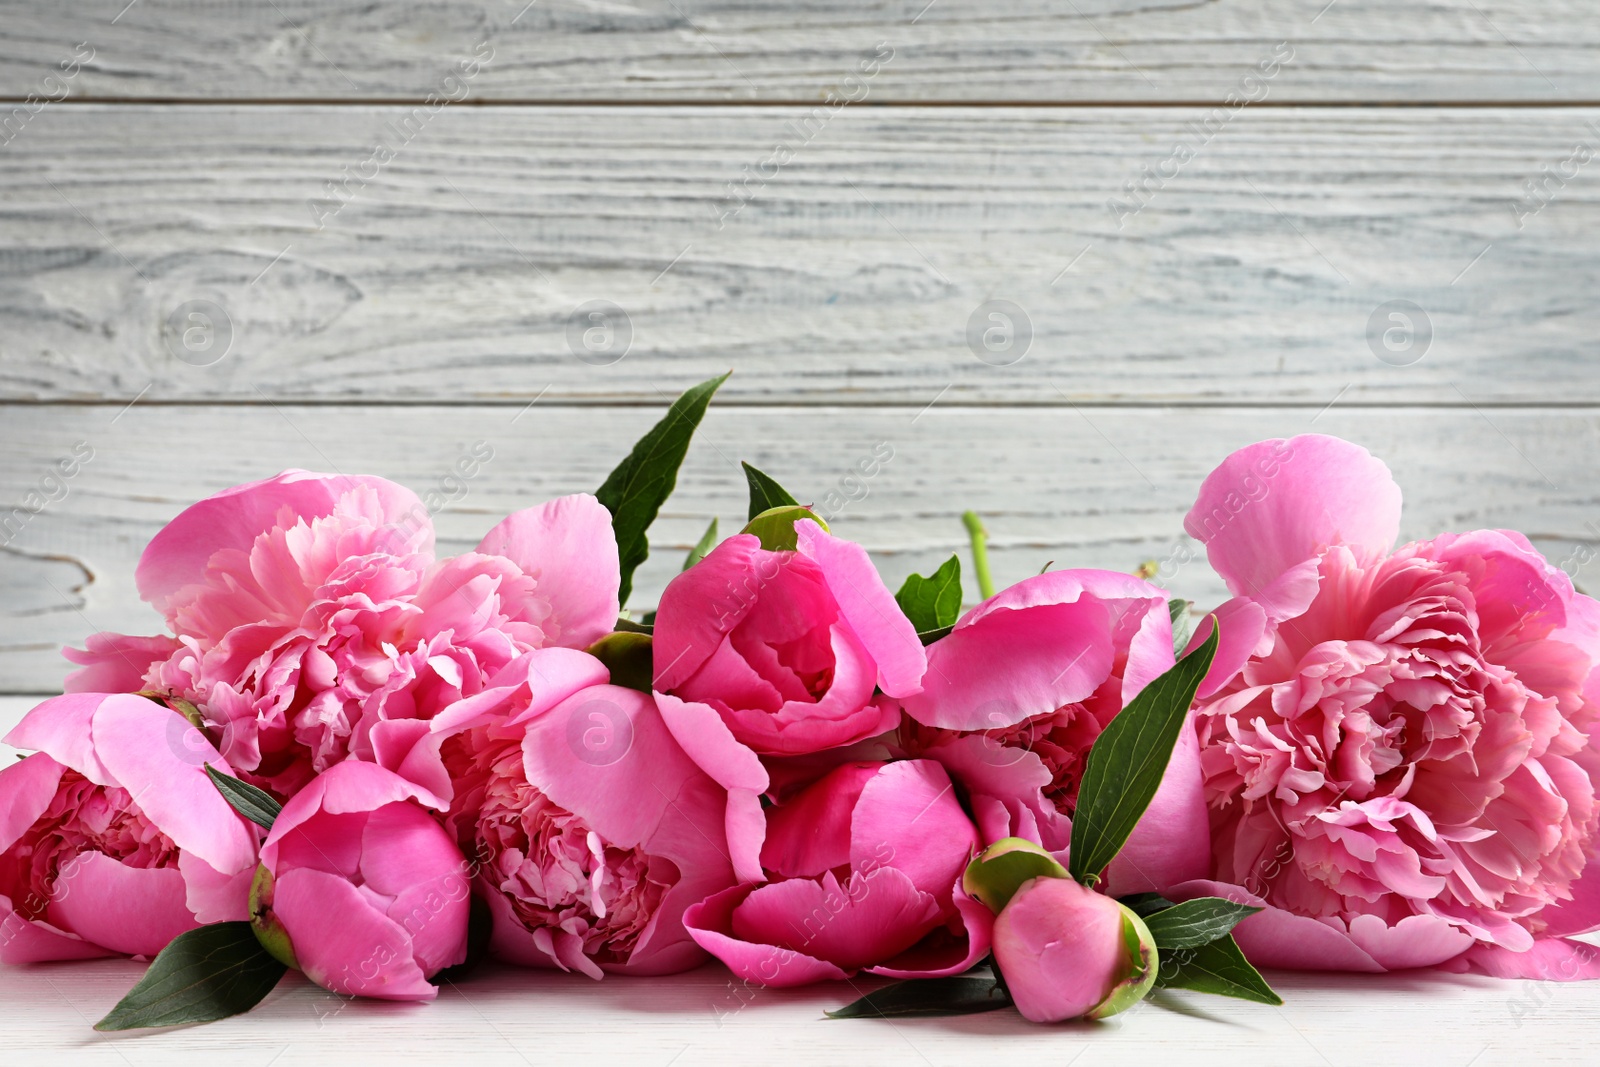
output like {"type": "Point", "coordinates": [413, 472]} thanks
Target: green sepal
{"type": "Point", "coordinates": [995, 874]}
{"type": "Point", "coordinates": [265, 922]}
{"type": "Point", "coordinates": [628, 656]}
{"type": "Point", "coordinates": [775, 526]}
{"type": "Point", "coordinates": [1145, 959]}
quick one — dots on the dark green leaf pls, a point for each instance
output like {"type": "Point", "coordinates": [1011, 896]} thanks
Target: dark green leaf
{"type": "Point", "coordinates": [933, 604]}
{"type": "Point", "coordinates": [641, 483]}
{"type": "Point", "coordinates": [765, 494]}
{"type": "Point", "coordinates": [1126, 763]}
{"type": "Point", "coordinates": [964, 994]}
{"type": "Point", "coordinates": [1179, 610]}
{"type": "Point", "coordinates": [1218, 968]}
{"type": "Point", "coordinates": [208, 973]}
{"type": "Point", "coordinates": [1196, 922]}
{"type": "Point", "coordinates": [1144, 905]}
{"type": "Point", "coordinates": [254, 804]}
{"type": "Point", "coordinates": [707, 542]}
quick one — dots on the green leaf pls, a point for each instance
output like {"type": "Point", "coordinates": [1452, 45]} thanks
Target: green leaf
{"type": "Point", "coordinates": [933, 604]}
{"type": "Point", "coordinates": [1144, 905]}
{"type": "Point", "coordinates": [1218, 968]}
{"type": "Point", "coordinates": [1126, 763]}
{"type": "Point", "coordinates": [964, 994]}
{"type": "Point", "coordinates": [765, 494]}
{"type": "Point", "coordinates": [254, 804]}
{"type": "Point", "coordinates": [1181, 629]}
{"type": "Point", "coordinates": [775, 526]}
{"type": "Point", "coordinates": [1196, 922]}
{"type": "Point", "coordinates": [208, 973]}
{"type": "Point", "coordinates": [635, 491]}
{"type": "Point", "coordinates": [707, 542]}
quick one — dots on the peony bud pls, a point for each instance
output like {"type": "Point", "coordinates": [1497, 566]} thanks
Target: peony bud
{"type": "Point", "coordinates": [361, 888]}
{"type": "Point", "coordinates": [1067, 952]}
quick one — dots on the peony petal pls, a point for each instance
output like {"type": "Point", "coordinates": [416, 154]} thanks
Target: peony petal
{"type": "Point", "coordinates": [59, 727]}
{"type": "Point", "coordinates": [702, 604]}
{"type": "Point", "coordinates": [22, 941]}
{"type": "Point", "coordinates": [705, 738]}
{"type": "Point", "coordinates": [909, 817]}
{"type": "Point", "coordinates": [348, 788]}
{"type": "Point", "coordinates": [116, 663]}
{"type": "Point", "coordinates": [810, 833]}
{"type": "Point", "coordinates": [868, 607]}
{"type": "Point", "coordinates": [232, 519]}
{"type": "Point", "coordinates": [710, 922]}
{"type": "Point", "coordinates": [128, 910]}
{"type": "Point", "coordinates": [1275, 504]}
{"type": "Point", "coordinates": [214, 896]}
{"type": "Point", "coordinates": [1551, 959]}
{"type": "Point", "coordinates": [568, 547]}
{"type": "Point", "coordinates": [939, 954]}
{"type": "Point", "coordinates": [26, 789]}
{"type": "Point", "coordinates": [410, 748]}
{"type": "Point", "coordinates": [344, 944]}
{"type": "Point", "coordinates": [160, 759]}
{"type": "Point", "coordinates": [869, 919]}
{"type": "Point", "coordinates": [1027, 651]}
{"type": "Point", "coordinates": [1415, 941]}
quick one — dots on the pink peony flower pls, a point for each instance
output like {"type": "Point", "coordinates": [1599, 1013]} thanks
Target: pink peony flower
{"type": "Point", "coordinates": [1064, 953]}
{"type": "Point", "coordinates": [865, 867]}
{"type": "Point", "coordinates": [112, 838]}
{"type": "Point", "coordinates": [1398, 748]}
{"type": "Point", "coordinates": [313, 624]}
{"type": "Point", "coordinates": [590, 829]}
{"type": "Point", "coordinates": [361, 888]}
{"type": "Point", "coordinates": [1017, 693]}
{"type": "Point", "coordinates": [788, 648]}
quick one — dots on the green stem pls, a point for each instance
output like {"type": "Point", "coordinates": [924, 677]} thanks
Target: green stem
{"type": "Point", "coordinates": [980, 553]}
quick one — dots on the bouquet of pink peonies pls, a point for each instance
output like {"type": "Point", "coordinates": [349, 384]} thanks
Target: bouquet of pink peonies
{"type": "Point", "coordinates": [377, 767]}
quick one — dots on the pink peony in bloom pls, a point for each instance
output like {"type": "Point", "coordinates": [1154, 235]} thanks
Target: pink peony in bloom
{"type": "Point", "coordinates": [112, 838]}
{"type": "Point", "coordinates": [788, 648]}
{"type": "Point", "coordinates": [312, 623]}
{"type": "Point", "coordinates": [864, 870]}
{"type": "Point", "coordinates": [1398, 746]}
{"type": "Point", "coordinates": [361, 888]}
{"type": "Point", "coordinates": [1017, 693]}
{"type": "Point", "coordinates": [590, 830]}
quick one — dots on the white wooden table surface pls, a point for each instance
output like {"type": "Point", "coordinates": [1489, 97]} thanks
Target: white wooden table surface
{"type": "Point", "coordinates": [384, 316]}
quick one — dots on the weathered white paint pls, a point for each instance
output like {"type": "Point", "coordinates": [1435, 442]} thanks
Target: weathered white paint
{"type": "Point", "coordinates": [946, 50]}
{"type": "Point", "coordinates": [852, 275]}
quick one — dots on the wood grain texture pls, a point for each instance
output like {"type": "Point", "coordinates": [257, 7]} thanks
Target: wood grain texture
{"type": "Point", "coordinates": [1100, 488]}
{"type": "Point", "coordinates": [738, 50]}
{"type": "Point", "coordinates": [853, 275]}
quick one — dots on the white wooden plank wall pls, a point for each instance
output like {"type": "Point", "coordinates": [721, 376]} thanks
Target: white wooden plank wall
{"type": "Point", "coordinates": [381, 314]}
